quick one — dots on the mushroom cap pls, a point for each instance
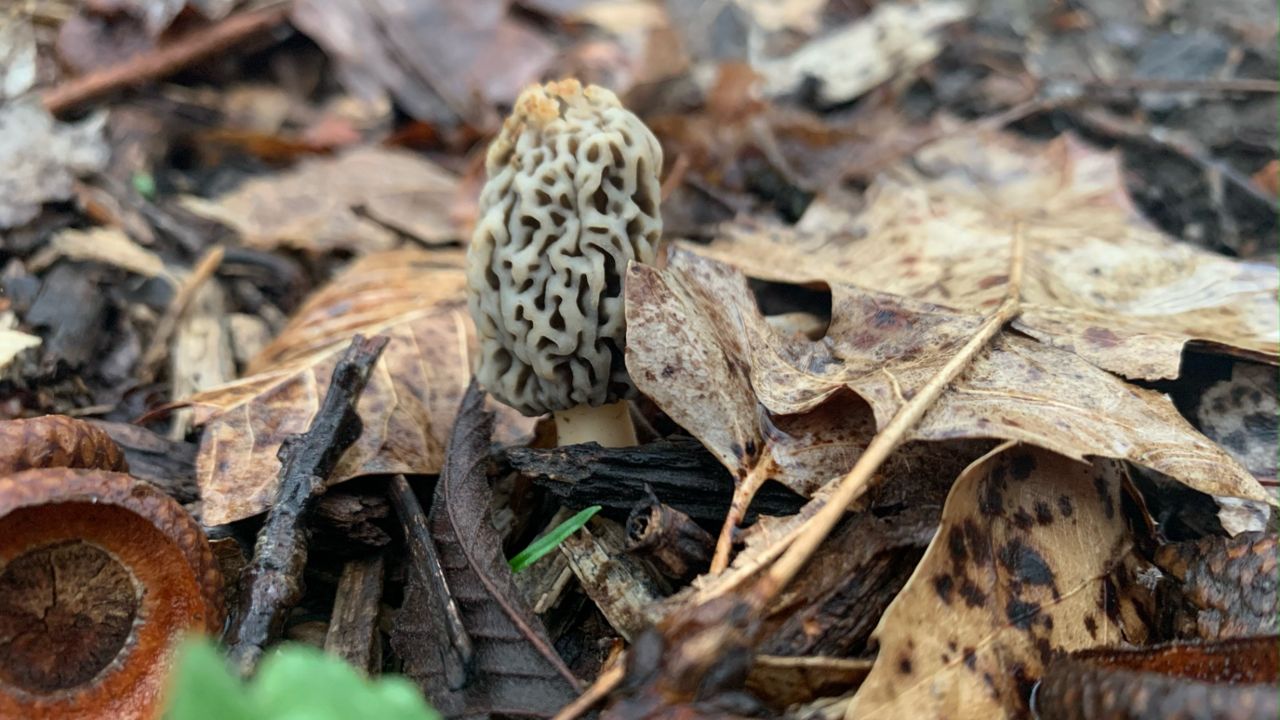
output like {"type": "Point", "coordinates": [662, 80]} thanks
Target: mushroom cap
{"type": "Point", "coordinates": [572, 197]}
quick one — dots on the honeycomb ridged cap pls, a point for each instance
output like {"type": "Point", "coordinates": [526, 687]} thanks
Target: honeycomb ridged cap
{"type": "Point", "coordinates": [572, 196]}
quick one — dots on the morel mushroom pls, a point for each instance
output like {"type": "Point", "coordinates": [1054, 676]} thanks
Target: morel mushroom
{"type": "Point", "coordinates": [100, 576]}
{"type": "Point", "coordinates": [572, 197]}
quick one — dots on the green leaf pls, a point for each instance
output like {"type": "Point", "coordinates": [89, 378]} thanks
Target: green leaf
{"type": "Point", "coordinates": [548, 542]}
{"type": "Point", "coordinates": [294, 682]}
{"type": "Point", "coordinates": [145, 184]}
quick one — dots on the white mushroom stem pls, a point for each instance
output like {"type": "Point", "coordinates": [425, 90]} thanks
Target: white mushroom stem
{"type": "Point", "coordinates": [610, 425]}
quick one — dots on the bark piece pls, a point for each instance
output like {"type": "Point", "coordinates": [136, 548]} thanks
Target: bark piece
{"type": "Point", "coordinates": [1228, 680]}
{"type": "Point", "coordinates": [621, 586]}
{"type": "Point", "coordinates": [1226, 587]}
{"type": "Point", "coordinates": [676, 545]}
{"type": "Point", "coordinates": [680, 470]}
{"type": "Point", "coordinates": [353, 627]}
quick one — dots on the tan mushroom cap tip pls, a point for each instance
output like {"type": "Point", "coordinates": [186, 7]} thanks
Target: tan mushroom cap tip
{"type": "Point", "coordinates": [572, 196]}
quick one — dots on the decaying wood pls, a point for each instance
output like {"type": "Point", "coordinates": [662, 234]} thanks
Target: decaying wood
{"type": "Point", "coordinates": [200, 357]}
{"type": "Point", "coordinates": [676, 545]}
{"type": "Point", "coordinates": [272, 583]}
{"type": "Point", "coordinates": [624, 589]}
{"type": "Point", "coordinates": [352, 522]}
{"type": "Point", "coordinates": [679, 470]}
{"type": "Point", "coordinates": [165, 463]}
{"type": "Point", "coordinates": [353, 627]}
{"type": "Point", "coordinates": [832, 608]}
{"type": "Point", "coordinates": [158, 347]}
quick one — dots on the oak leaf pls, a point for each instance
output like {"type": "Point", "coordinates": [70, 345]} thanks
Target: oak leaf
{"type": "Point", "coordinates": [358, 200]}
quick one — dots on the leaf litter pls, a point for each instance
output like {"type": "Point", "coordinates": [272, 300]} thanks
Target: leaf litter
{"type": "Point", "coordinates": [941, 280]}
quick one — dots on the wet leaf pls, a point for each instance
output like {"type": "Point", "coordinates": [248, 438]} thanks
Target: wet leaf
{"type": "Point", "coordinates": [1099, 281]}
{"type": "Point", "coordinates": [407, 406]}
{"type": "Point", "coordinates": [356, 201]}
{"type": "Point", "coordinates": [515, 672]}
{"type": "Point", "coordinates": [1018, 571]}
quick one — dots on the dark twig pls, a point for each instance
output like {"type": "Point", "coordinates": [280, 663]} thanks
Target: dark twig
{"type": "Point", "coordinates": [165, 60]}
{"type": "Point", "coordinates": [272, 584]}
{"type": "Point", "coordinates": [1179, 143]}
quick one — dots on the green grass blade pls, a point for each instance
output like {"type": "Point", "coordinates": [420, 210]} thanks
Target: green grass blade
{"type": "Point", "coordinates": [548, 542]}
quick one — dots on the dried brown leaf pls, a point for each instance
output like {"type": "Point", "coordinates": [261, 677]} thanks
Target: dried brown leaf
{"type": "Point", "coordinates": [1018, 571]}
{"type": "Point", "coordinates": [516, 672]}
{"type": "Point", "coordinates": [407, 407]}
{"type": "Point", "coordinates": [474, 54]}
{"type": "Point", "coordinates": [1099, 281]}
{"type": "Point", "coordinates": [358, 201]}
{"type": "Point", "coordinates": [700, 349]}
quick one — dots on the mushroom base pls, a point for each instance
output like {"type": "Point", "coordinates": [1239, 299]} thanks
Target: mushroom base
{"type": "Point", "coordinates": [610, 425]}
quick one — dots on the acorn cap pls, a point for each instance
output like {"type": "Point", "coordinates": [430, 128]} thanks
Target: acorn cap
{"type": "Point", "coordinates": [100, 576]}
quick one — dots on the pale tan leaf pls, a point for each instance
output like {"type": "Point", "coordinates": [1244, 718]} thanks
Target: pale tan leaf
{"type": "Point", "coordinates": [892, 41]}
{"type": "Point", "coordinates": [106, 245]}
{"type": "Point", "coordinates": [355, 201]}
{"type": "Point", "coordinates": [1099, 281]}
{"type": "Point", "coordinates": [1019, 569]}
{"type": "Point", "coordinates": [407, 407]}
{"type": "Point", "coordinates": [695, 357]}
{"type": "Point", "coordinates": [698, 347]}
{"type": "Point", "coordinates": [12, 343]}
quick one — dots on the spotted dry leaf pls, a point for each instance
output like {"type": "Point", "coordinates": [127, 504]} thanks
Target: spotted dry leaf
{"type": "Point", "coordinates": [407, 407]}
{"type": "Point", "coordinates": [1099, 281]}
{"type": "Point", "coordinates": [1020, 568]}
{"type": "Point", "coordinates": [360, 200]}
{"type": "Point", "coordinates": [698, 346]}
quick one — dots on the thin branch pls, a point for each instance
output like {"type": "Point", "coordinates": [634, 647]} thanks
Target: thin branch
{"type": "Point", "coordinates": [272, 583]}
{"type": "Point", "coordinates": [165, 60]}
{"type": "Point", "coordinates": [599, 690]}
{"type": "Point", "coordinates": [149, 365]}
